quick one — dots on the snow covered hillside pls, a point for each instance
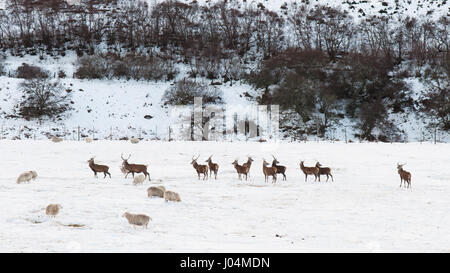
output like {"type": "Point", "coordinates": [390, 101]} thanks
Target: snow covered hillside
{"type": "Point", "coordinates": [363, 210]}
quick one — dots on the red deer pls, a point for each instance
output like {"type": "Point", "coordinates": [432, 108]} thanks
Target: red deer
{"type": "Point", "coordinates": [269, 171]}
{"type": "Point", "coordinates": [324, 171]}
{"type": "Point", "coordinates": [134, 168]}
{"type": "Point", "coordinates": [309, 170]}
{"type": "Point", "coordinates": [213, 167]}
{"type": "Point", "coordinates": [280, 169]}
{"type": "Point", "coordinates": [247, 165]}
{"type": "Point", "coordinates": [201, 169]}
{"type": "Point", "coordinates": [96, 168]}
{"type": "Point", "coordinates": [240, 169]}
{"type": "Point", "coordinates": [404, 175]}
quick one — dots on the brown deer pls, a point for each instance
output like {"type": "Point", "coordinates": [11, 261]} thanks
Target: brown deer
{"type": "Point", "coordinates": [309, 170]}
{"type": "Point", "coordinates": [201, 169]}
{"type": "Point", "coordinates": [404, 175]}
{"type": "Point", "coordinates": [280, 169]}
{"type": "Point", "coordinates": [247, 165]}
{"type": "Point", "coordinates": [134, 168]}
{"type": "Point", "coordinates": [213, 167]}
{"type": "Point", "coordinates": [96, 168]}
{"type": "Point", "coordinates": [269, 171]}
{"type": "Point", "coordinates": [240, 169]}
{"type": "Point", "coordinates": [324, 171]}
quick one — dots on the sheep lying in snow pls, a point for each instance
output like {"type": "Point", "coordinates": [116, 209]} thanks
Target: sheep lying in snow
{"type": "Point", "coordinates": [172, 196]}
{"type": "Point", "coordinates": [88, 140]}
{"type": "Point", "coordinates": [53, 209]}
{"type": "Point", "coordinates": [138, 179]}
{"type": "Point", "coordinates": [134, 140]}
{"type": "Point", "coordinates": [26, 177]}
{"type": "Point", "coordinates": [56, 139]}
{"type": "Point", "coordinates": [156, 191]}
{"type": "Point", "coordinates": [137, 219]}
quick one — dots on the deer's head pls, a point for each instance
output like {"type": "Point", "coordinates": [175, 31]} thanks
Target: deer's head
{"type": "Point", "coordinates": [125, 161]}
{"type": "Point", "coordinates": [275, 161]}
{"type": "Point", "coordinates": [194, 160]}
{"type": "Point", "coordinates": [209, 159]}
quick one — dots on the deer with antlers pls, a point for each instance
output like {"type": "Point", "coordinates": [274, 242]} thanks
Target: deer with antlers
{"type": "Point", "coordinates": [247, 165]}
{"type": "Point", "coordinates": [324, 171]}
{"type": "Point", "coordinates": [201, 169]}
{"type": "Point", "coordinates": [96, 168]}
{"type": "Point", "coordinates": [404, 175]}
{"type": "Point", "coordinates": [280, 169]}
{"type": "Point", "coordinates": [309, 170]}
{"type": "Point", "coordinates": [269, 171]}
{"type": "Point", "coordinates": [241, 170]}
{"type": "Point", "coordinates": [134, 168]}
{"type": "Point", "coordinates": [213, 167]}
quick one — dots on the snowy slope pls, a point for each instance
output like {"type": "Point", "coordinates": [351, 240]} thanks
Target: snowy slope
{"type": "Point", "coordinates": [363, 210]}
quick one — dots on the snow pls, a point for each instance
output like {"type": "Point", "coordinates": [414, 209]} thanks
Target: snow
{"type": "Point", "coordinates": [363, 210]}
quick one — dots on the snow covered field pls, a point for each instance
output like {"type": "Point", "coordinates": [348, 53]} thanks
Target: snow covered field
{"type": "Point", "coordinates": [363, 210]}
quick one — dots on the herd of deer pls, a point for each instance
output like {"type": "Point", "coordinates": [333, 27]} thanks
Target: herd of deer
{"type": "Point", "coordinates": [244, 169]}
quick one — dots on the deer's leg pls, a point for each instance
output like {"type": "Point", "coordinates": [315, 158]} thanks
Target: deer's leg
{"type": "Point", "coordinates": [284, 177]}
{"type": "Point", "coordinates": [95, 174]}
{"type": "Point", "coordinates": [400, 182]}
{"type": "Point", "coordinates": [306, 177]}
{"type": "Point", "coordinates": [331, 178]}
{"type": "Point", "coordinates": [104, 175]}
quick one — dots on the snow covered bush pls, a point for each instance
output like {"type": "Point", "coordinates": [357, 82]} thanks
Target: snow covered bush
{"type": "Point", "coordinates": [92, 67]}
{"type": "Point", "coordinates": [184, 91]}
{"type": "Point", "coordinates": [26, 71]}
{"type": "Point", "coordinates": [43, 97]}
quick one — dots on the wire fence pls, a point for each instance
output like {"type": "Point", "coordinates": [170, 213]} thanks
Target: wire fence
{"type": "Point", "coordinates": [80, 133]}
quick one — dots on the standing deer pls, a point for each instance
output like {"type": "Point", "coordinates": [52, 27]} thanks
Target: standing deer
{"type": "Point", "coordinates": [269, 171]}
{"type": "Point", "coordinates": [247, 165]}
{"type": "Point", "coordinates": [201, 169]}
{"type": "Point", "coordinates": [280, 169]}
{"type": "Point", "coordinates": [240, 169]}
{"type": "Point", "coordinates": [213, 167]}
{"type": "Point", "coordinates": [96, 168]}
{"type": "Point", "coordinates": [404, 175]}
{"type": "Point", "coordinates": [324, 171]}
{"type": "Point", "coordinates": [309, 170]}
{"type": "Point", "coordinates": [134, 168]}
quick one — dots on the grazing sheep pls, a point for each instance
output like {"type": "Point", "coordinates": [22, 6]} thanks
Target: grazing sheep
{"type": "Point", "coordinates": [172, 196]}
{"type": "Point", "coordinates": [156, 191]}
{"type": "Point", "coordinates": [56, 139]}
{"type": "Point", "coordinates": [139, 179]}
{"type": "Point", "coordinates": [53, 209]}
{"type": "Point", "coordinates": [137, 219]}
{"type": "Point", "coordinates": [134, 140]}
{"type": "Point", "coordinates": [88, 140]}
{"type": "Point", "coordinates": [25, 177]}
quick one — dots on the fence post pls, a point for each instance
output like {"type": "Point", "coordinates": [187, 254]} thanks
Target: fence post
{"type": "Point", "coordinates": [78, 132]}
{"type": "Point", "coordinates": [435, 133]}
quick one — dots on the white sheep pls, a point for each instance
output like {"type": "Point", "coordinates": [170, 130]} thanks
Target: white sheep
{"type": "Point", "coordinates": [56, 139]}
{"type": "Point", "coordinates": [137, 219]}
{"type": "Point", "coordinates": [139, 179]}
{"type": "Point", "coordinates": [53, 209]}
{"type": "Point", "coordinates": [88, 140]}
{"type": "Point", "coordinates": [25, 177]}
{"type": "Point", "coordinates": [134, 140]}
{"type": "Point", "coordinates": [172, 196]}
{"type": "Point", "coordinates": [156, 191]}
